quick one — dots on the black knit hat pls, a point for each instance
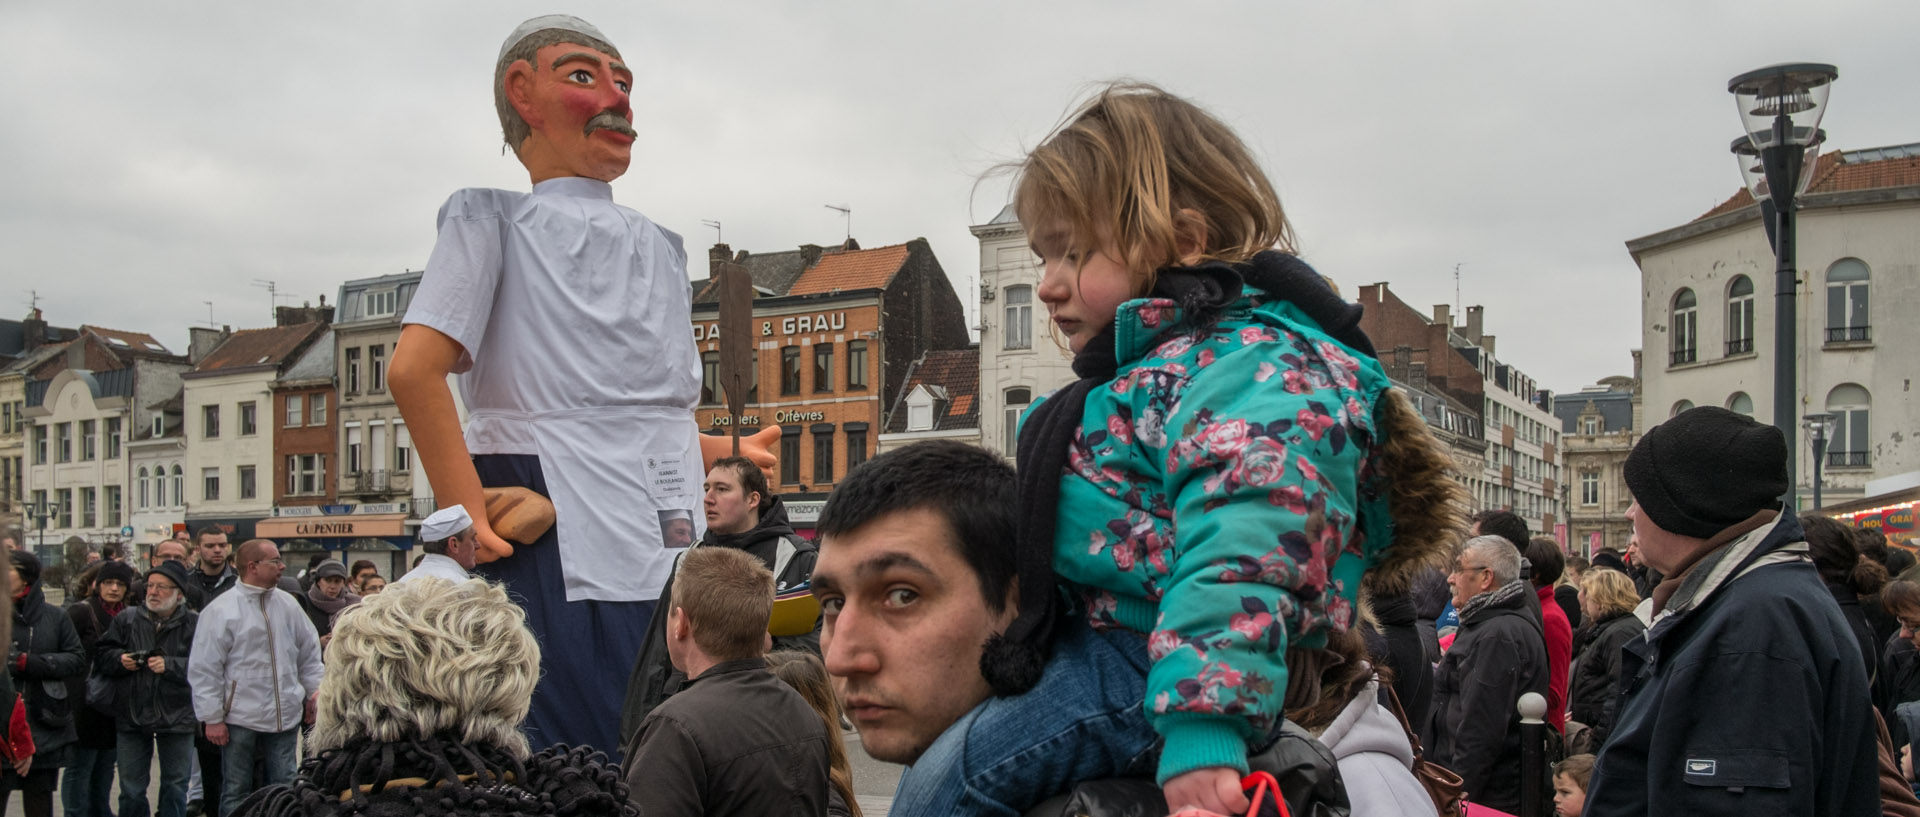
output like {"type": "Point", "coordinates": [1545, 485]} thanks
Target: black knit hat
{"type": "Point", "coordinates": [115, 571]}
{"type": "Point", "coordinates": [1706, 470]}
{"type": "Point", "coordinates": [28, 565]}
{"type": "Point", "coordinates": [174, 571]}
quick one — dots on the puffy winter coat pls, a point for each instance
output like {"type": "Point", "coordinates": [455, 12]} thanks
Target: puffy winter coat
{"type": "Point", "coordinates": [46, 652]}
{"type": "Point", "coordinates": [150, 703]}
{"type": "Point", "coordinates": [1595, 687]}
{"type": "Point", "coordinates": [1376, 761]}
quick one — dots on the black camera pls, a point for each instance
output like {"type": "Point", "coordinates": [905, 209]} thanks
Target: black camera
{"type": "Point", "coordinates": [140, 657]}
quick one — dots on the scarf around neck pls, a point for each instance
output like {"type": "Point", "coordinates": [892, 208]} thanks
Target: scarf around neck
{"type": "Point", "coordinates": [1013, 660]}
{"type": "Point", "coordinates": [331, 605]}
{"type": "Point", "coordinates": [1501, 595]}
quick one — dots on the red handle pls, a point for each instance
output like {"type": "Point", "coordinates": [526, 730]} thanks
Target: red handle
{"type": "Point", "coordinates": [1258, 784]}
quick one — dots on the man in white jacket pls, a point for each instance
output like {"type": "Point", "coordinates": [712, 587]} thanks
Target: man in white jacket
{"type": "Point", "coordinates": [255, 671]}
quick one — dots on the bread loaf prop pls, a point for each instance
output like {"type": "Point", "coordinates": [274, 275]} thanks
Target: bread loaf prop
{"type": "Point", "coordinates": [519, 514]}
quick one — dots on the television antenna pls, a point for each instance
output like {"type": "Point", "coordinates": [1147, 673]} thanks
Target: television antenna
{"type": "Point", "coordinates": [718, 237]}
{"type": "Point", "coordinates": [210, 321]}
{"type": "Point", "coordinates": [846, 212]}
{"type": "Point", "coordinates": [273, 297]}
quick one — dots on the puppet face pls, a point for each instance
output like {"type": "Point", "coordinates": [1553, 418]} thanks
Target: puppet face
{"type": "Point", "coordinates": [574, 99]}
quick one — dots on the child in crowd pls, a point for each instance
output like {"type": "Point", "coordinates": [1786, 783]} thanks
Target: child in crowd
{"type": "Point", "coordinates": [1570, 785]}
{"type": "Point", "coordinates": [1209, 492]}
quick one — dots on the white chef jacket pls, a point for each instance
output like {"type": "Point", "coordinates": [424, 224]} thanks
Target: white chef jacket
{"type": "Point", "coordinates": [436, 566]}
{"type": "Point", "coordinates": [574, 317]}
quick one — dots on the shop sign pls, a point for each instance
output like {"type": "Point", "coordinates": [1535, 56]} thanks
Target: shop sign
{"type": "Point", "coordinates": [789, 416]}
{"type": "Point", "coordinates": [333, 527]}
{"type": "Point", "coordinates": [745, 420]}
{"type": "Point", "coordinates": [795, 325]}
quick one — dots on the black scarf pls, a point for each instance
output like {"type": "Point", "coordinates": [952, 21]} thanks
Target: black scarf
{"type": "Point", "coordinates": [1012, 661]}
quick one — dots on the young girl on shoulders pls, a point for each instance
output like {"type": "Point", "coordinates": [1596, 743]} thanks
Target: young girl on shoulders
{"type": "Point", "coordinates": [1201, 505]}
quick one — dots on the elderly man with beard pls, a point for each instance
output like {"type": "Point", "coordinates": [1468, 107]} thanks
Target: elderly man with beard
{"type": "Point", "coordinates": [144, 653]}
{"type": "Point", "coordinates": [566, 315]}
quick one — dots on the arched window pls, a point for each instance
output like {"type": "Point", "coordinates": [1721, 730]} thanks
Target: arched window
{"type": "Point", "coordinates": [1740, 316]}
{"type": "Point", "coordinates": [143, 487]}
{"type": "Point", "coordinates": [1847, 301]}
{"type": "Point", "coordinates": [1740, 403]}
{"type": "Point", "coordinates": [1019, 328]}
{"type": "Point", "coordinates": [1847, 443]}
{"type": "Point", "coordinates": [179, 487]}
{"type": "Point", "coordinates": [1686, 327]}
{"type": "Point", "coordinates": [1017, 400]}
{"type": "Point", "coordinates": [1680, 407]}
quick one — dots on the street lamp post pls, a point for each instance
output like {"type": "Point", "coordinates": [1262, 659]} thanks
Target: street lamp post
{"type": "Point", "coordinates": [1780, 110]}
{"type": "Point", "coordinates": [42, 511]}
{"type": "Point", "coordinates": [1818, 426]}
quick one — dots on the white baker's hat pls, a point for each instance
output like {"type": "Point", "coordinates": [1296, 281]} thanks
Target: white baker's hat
{"type": "Point", "coordinates": [563, 22]}
{"type": "Point", "coordinates": [444, 523]}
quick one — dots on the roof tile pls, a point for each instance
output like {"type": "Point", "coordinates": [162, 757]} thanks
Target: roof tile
{"type": "Point", "coordinates": [957, 372]}
{"type": "Point", "coordinates": [1833, 174]}
{"type": "Point", "coordinates": [255, 347]}
{"type": "Point", "coordinates": [855, 269]}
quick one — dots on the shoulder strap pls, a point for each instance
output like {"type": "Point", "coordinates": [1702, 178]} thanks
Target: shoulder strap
{"type": "Point", "coordinates": [783, 553]}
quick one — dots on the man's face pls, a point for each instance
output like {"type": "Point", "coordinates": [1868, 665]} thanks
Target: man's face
{"type": "Point", "coordinates": [905, 624]}
{"type": "Point", "coordinates": [464, 547]}
{"type": "Point", "coordinates": [213, 552]}
{"type": "Point", "coordinates": [1656, 548]}
{"type": "Point", "coordinates": [679, 533]}
{"type": "Point", "coordinates": [730, 509]}
{"type": "Point", "coordinates": [171, 550]}
{"type": "Point", "coordinates": [162, 594]}
{"type": "Point", "coordinates": [266, 567]}
{"type": "Point", "coordinates": [1470, 577]}
{"type": "Point", "coordinates": [1909, 618]}
{"type": "Point", "coordinates": [575, 98]}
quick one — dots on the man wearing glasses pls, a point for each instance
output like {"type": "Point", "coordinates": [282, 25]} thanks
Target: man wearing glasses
{"type": "Point", "coordinates": [1499, 654]}
{"type": "Point", "coordinates": [254, 673]}
{"type": "Point", "coordinates": [144, 653]}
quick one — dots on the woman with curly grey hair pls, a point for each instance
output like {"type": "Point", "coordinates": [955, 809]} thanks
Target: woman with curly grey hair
{"type": "Point", "coordinates": [420, 713]}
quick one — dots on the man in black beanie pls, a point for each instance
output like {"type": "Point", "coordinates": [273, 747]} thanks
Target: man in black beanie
{"type": "Point", "coordinates": [1748, 694]}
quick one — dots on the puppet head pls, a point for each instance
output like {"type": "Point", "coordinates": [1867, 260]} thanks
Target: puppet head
{"type": "Point", "coordinates": [562, 94]}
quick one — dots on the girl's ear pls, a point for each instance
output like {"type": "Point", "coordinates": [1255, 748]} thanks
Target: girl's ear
{"type": "Point", "coordinates": [1189, 235]}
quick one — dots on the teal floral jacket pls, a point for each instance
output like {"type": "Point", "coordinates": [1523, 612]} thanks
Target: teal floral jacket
{"type": "Point", "coordinates": [1217, 499]}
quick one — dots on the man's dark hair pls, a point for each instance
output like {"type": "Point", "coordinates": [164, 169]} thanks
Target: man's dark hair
{"type": "Point", "coordinates": [203, 531]}
{"type": "Point", "coordinates": [752, 479]}
{"type": "Point", "coordinates": [972, 489]}
{"type": "Point", "coordinates": [1871, 544]}
{"type": "Point", "coordinates": [109, 552]}
{"type": "Point", "coordinates": [1546, 560]}
{"type": "Point", "coordinates": [1506, 525]}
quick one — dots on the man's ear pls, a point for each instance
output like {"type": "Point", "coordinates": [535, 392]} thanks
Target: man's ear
{"type": "Point", "coordinates": [519, 86]}
{"type": "Point", "coordinates": [1189, 235]}
{"type": "Point", "coordinates": [677, 627]}
{"type": "Point", "coordinates": [1010, 606]}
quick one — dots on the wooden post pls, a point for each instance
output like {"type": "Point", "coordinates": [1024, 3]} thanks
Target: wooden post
{"type": "Point", "coordinates": [736, 339]}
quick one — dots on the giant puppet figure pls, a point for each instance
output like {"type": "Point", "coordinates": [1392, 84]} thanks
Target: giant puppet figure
{"type": "Point", "coordinates": [567, 317]}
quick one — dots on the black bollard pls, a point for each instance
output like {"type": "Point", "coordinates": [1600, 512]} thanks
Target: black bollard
{"type": "Point", "coordinates": [1534, 791]}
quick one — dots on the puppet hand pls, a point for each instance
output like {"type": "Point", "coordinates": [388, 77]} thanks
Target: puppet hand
{"type": "Point", "coordinates": [491, 547]}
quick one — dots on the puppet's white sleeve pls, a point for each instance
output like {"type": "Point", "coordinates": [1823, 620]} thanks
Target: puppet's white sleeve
{"type": "Point", "coordinates": [456, 292]}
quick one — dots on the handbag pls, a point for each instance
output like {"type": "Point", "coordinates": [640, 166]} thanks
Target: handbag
{"type": "Point", "coordinates": [1445, 787]}
{"type": "Point", "coordinates": [103, 694]}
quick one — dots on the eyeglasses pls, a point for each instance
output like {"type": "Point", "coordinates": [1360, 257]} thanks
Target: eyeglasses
{"type": "Point", "coordinates": [1458, 569]}
{"type": "Point", "coordinates": [273, 561]}
{"type": "Point", "coordinates": [155, 588]}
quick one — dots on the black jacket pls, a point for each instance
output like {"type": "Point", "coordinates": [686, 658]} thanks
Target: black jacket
{"type": "Point", "coordinates": [201, 589]}
{"type": "Point", "coordinates": [93, 728]}
{"type": "Point", "coordinates": [1499, 654]}
{"type": "Point", "coordinates": [148, 703]}
{"type": "Point", "coordinates": [44, 634]}
{"type": "Point", "coordinates": [1594, 687]}
{"type": "Point", "coordinates": [1856, 616]}
{"type": "Point", "coordinates": [734, 741]}
{"type": "Point", "coordinates": [1399, 646]}
{"type": "Point", "coordinates": [1747, 696]}
{"type": "Point", "coordinates": [653, 678]}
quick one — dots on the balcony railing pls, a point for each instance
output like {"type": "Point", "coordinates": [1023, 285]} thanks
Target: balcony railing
{"type": "Point", "coordinates": [1680, 356]}
{"type": "Point", "coordinates": [1845, 334]}
{"type": "Point", "coordinates": [1847, 459]}
{"type": "Point", "coordinates": [369, 482]}
{"type": "Point", "coordinates": [1739, 347]}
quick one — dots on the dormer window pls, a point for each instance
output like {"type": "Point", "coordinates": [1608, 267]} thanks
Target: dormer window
{"type": "Point", "coordinates": [921, 405]}
{"type": "Point", "coordinates": [159, 424]}
{"type": "Point", "coordinates": [382, 303]}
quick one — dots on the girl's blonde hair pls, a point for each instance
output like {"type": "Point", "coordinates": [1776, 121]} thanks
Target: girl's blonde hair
{"type": "Point", "coordinates": [1610, 591]}
{"type": "Point", "coordinates": [1127, 165]}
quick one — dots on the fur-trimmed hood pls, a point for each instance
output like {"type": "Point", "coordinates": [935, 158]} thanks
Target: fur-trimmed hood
{"type": "Point", "coordinates": [1426, 504]}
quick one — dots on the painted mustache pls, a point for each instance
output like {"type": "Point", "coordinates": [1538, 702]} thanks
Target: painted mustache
{"type": "Point", "coordinates": [608, 120]}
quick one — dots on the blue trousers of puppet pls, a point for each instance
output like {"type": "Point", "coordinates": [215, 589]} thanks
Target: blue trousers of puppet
{"type": "Point", "coordinates": [585, 646]}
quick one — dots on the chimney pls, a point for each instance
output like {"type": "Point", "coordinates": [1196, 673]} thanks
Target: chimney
{"type": "Point", "coordinates": [1443, 315]}
{"type": "Point", "coordinates": [1636, 369]}
{"type": "Point", "coordinates": [719, 253]}
{"type": "Point", "coordinates": [810, 254]}
{"type": "Point", "coordinates": [1486, 342]}
{"type": "Point", "coordinates": [1417, 376]}
{"type": "Point", "coordinates": [1475, 316]}
{"type": "Point", "coordinates": [304, 313]}
{"type": "Point", "coordinates": [202, 340]}
{"type": "Point", "coordinates": [35, 330]}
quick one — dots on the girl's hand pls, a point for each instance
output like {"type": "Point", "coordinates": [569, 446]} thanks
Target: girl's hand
{"type": "Point", "coordinates": [1215, 789]}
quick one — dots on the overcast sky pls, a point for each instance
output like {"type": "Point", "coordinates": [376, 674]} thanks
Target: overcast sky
{"type": "Point", "coordinates": [157, 160]}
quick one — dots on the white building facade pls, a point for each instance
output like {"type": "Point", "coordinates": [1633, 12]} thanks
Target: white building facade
{"type": "Point", "coordinates": [1020, 357]}
{"type": "Point", "coordinates": [77, 457]}
{"type": "Point", "coordinates": [157, 473]}
{"type": "Point", "coordinates": [1708, 312]}
{"type": "Point", "coordinates": [229, 449]}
